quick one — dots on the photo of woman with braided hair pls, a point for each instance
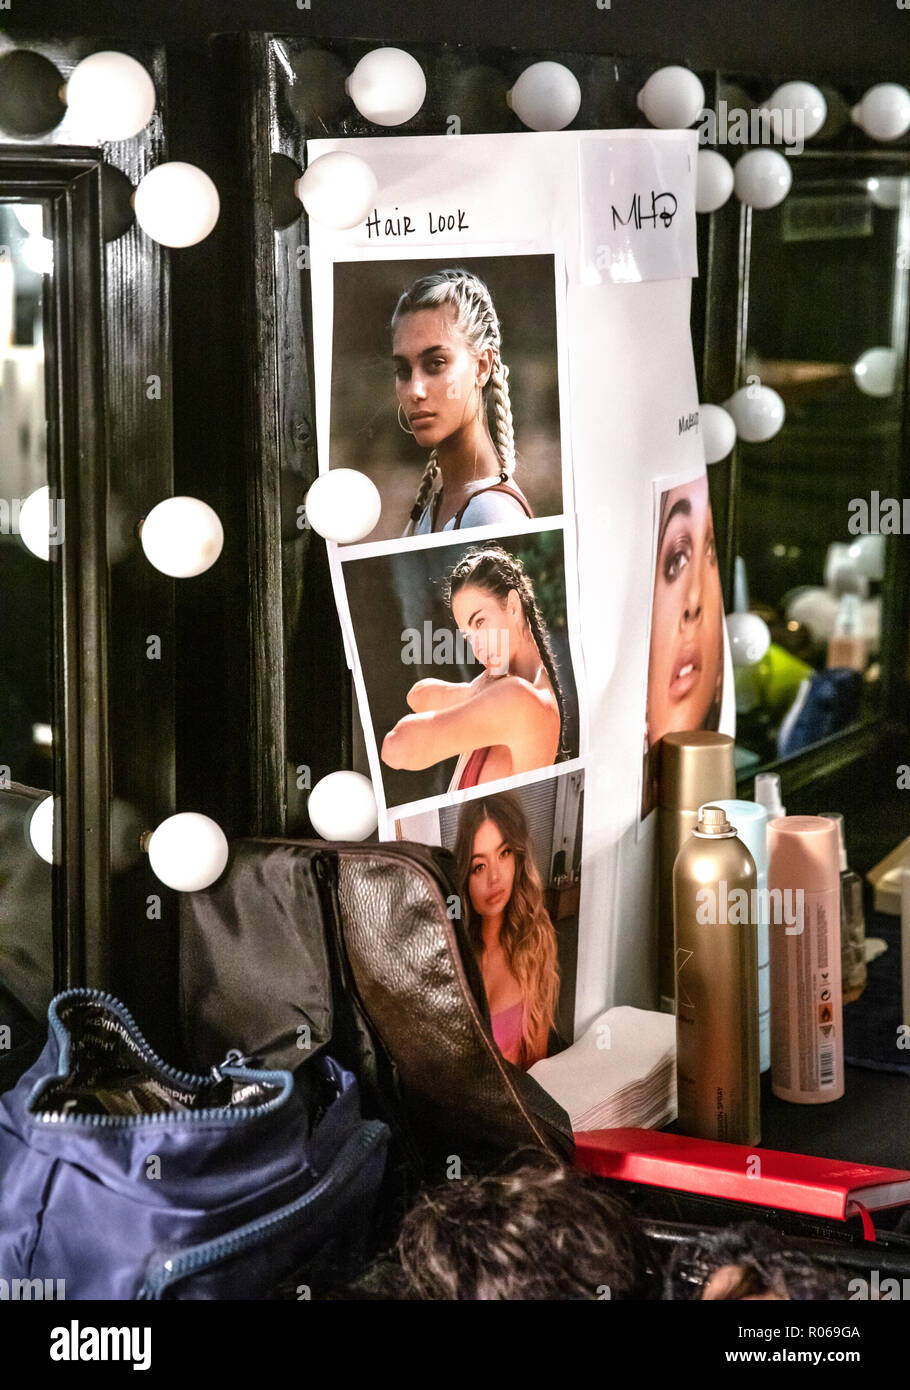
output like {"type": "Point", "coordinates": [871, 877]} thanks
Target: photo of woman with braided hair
{"type": "Point", "coordinates": [449, 374]}
{"type": "Point", "coordinates": [509, 719]}
{"type": "Point", "coordinates": [447, 377]}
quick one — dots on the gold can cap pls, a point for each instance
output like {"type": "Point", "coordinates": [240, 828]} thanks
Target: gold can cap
{"type": "Point", "coordinates": [713, 821]}
{"type": "Point", "coordinates": [695, 768]}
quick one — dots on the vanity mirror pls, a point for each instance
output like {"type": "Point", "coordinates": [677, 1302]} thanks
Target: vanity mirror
{"type": "Point", "coordinates": [29, 524]}
{"type": "Point", "coordinates": [811, 543]}
{"type": "Point", "coordinates": [53, 594]}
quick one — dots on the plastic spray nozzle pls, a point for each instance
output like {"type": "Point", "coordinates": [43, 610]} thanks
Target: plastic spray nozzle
{"type": "Point", "coordinates": [767, 793]}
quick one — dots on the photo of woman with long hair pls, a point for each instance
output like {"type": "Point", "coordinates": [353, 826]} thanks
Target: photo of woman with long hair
{"type": "Point", "coordinates": [449, 375]}
{"type": "Point", "coordinates": [509, 719]}
{"type": "Point", "coordinates": [686, 659]}
{"type": "Point", "coordinates": [508, 925]}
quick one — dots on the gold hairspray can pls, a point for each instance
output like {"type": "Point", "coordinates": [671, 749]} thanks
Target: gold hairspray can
{"type": "Point", "coordinates": [695, 768]}
{"type": "Point", "coordinates": [715, 915]}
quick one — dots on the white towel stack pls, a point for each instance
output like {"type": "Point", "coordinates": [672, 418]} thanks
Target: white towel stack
{"type": "Point", "coordinates": [621, 1072]}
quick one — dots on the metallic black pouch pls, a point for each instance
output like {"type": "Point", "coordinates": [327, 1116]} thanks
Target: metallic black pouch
{"type": "Point", "coordinates": [304, 942]}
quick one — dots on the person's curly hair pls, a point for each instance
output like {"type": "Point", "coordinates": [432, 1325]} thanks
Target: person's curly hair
{"type": "Point", "coordinates": [757, 1263]}
{"type": "Point", "coordinates": [538, 1231]}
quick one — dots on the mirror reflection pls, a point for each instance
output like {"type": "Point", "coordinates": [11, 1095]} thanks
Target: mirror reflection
{"type": "Point", "coordinates": [827, 330]}
{"type": "Point", "coordinates": [26, 611]}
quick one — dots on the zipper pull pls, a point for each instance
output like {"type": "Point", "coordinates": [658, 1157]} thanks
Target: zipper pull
{"type": "Point", "coordinates": [234, 1058]}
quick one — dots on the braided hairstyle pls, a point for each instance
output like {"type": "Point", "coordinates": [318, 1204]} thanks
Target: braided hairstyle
{"type": "Point", "coordinates": [476, 320]}
{"type": "Point", "coordinates": [492, 568]}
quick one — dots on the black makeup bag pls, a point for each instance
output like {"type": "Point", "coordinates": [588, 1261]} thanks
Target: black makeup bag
{"type": "Point", "coordinates": [302, 943]}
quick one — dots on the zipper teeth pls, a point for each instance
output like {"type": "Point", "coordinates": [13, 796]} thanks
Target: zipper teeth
{"type": "Point", "coordinates": [184, 1079]}
{"type": "Point", "coordinates": [360, 1143]}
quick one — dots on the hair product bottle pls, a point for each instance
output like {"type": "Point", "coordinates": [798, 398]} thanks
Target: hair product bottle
{"type": "Point", "coordinates": [767, 793]}
{"type": "Point", "coordinates": [717, 1079]}
{"type": "Point", "coordinates": [750, 821]}
{"type": "Point", "coordinates": [848, 646]}
{"type": "Point", "coordinates": [852, 920]}
{"type": "Point", "coordinates": [694, 769]}
{"type": "Point", "coordinates": [807, 1040]}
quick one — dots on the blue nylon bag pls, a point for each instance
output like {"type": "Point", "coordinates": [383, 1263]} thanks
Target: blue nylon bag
{"type": "Point", "coordinates": [126, 1178]}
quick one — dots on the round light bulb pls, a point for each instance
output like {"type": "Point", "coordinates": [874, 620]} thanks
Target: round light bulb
{"type": "Point", "coordinates": [884, 111]}
{"type": "Point", "coordinates": [672, 98]}
{"type": "Point", "coordinates": [886, 192]}
{"type": "Point", "coordinates": [875, 371]}
{"type": "Point", "coordinates": [38, 254]}
{"type": "Point", "coordinates": [758, 413]}
{"type": "Point", "coordinates": [795, 112]}
{"type": "Point", "coordinates": [546, 96]}
{"type": "Point", "coordinates": [868, 555]}
{"type": "Point", "coordinates": [713, 180]}
{"type": "Point", "coordinates": [30, 217]}
{"type": "Point", "coordinates": [343, 505]}
{"type": "Point", "coordinates": [111, 95]}
{"type": "Point", "coordinates": [188, 851]}
{"type": "Point", "coordinates": [338, 189]}
{"type": "Point", "coordinates": [182, 536]}
{"type": "Point", "coordinates": [762, 178]}
{"type": "Point", "coordinates": [718, 431]}
{"type": "Point", "coordinates": [41, 829]}
{"type": "Point", "coordinates": [35, 522]}
{"type": "Point", "coordinates": [749, 636]}
{"type": "Point", "coordinates": [387, 86]}
{"type": "Point", "coordinates": [342, 806]}
{"type": "Point", "coordinates": [176, 204]}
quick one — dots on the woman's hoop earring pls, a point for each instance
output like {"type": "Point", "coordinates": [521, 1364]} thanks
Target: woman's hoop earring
{"type": "Point", "coordinates": [404, 427]}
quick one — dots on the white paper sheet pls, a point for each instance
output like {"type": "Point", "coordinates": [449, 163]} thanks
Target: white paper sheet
{"type": "Point", "coordinates": [626, 383]}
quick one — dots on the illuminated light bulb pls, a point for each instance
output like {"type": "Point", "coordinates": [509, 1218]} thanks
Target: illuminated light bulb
{"type": "Point", "coordinates": [38, 254]}
{"type": "Point", "coordinates": [883, 112]}
{"type": "Point", "coordinates": [35, 523]}
{"type": "Point", "coordinates": [758, 413]}
{"type": "Point", "coordinates": [111, 95]}
{"type": "Point", "coordinates": [176, 204]}
{"type": "Point", "coordinates": [762, 178]}
{"type": "Point", "coordinates": [875, 371]}
{"type": "Point", "coordinates": [546, 96]}
{"type": "Point", "coordinates": [187, 851]}
{"type": "Point", "coordinates": [338, 190]}
{"type": "Point", "coordinates": [41, 829]}
{"type": "Point", "coordinates": [30, 217]}
{"type": "Point", "coordinates": [868, 555]}
{"type": "Point", "coordinates": [672, 98]}
{"type": "Point", "coordinates": [343, 505]}
{"type": "Point", "coordinates": [387, 86]}
{"type": "Point", "coordinates": [795, 112]}
{"type": "Point", "coordinates": [718, 431]}
{"type": "Point", "coordinates": [749, 636]}
{"type": "Point", "coordinates": [713, 180]}
{"type": "Point", "coordinates": [886, 192]}
{"type": "Point", "coordinates": [342, 806]}
{"type": "Point", "coordinates": [182, 537]}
